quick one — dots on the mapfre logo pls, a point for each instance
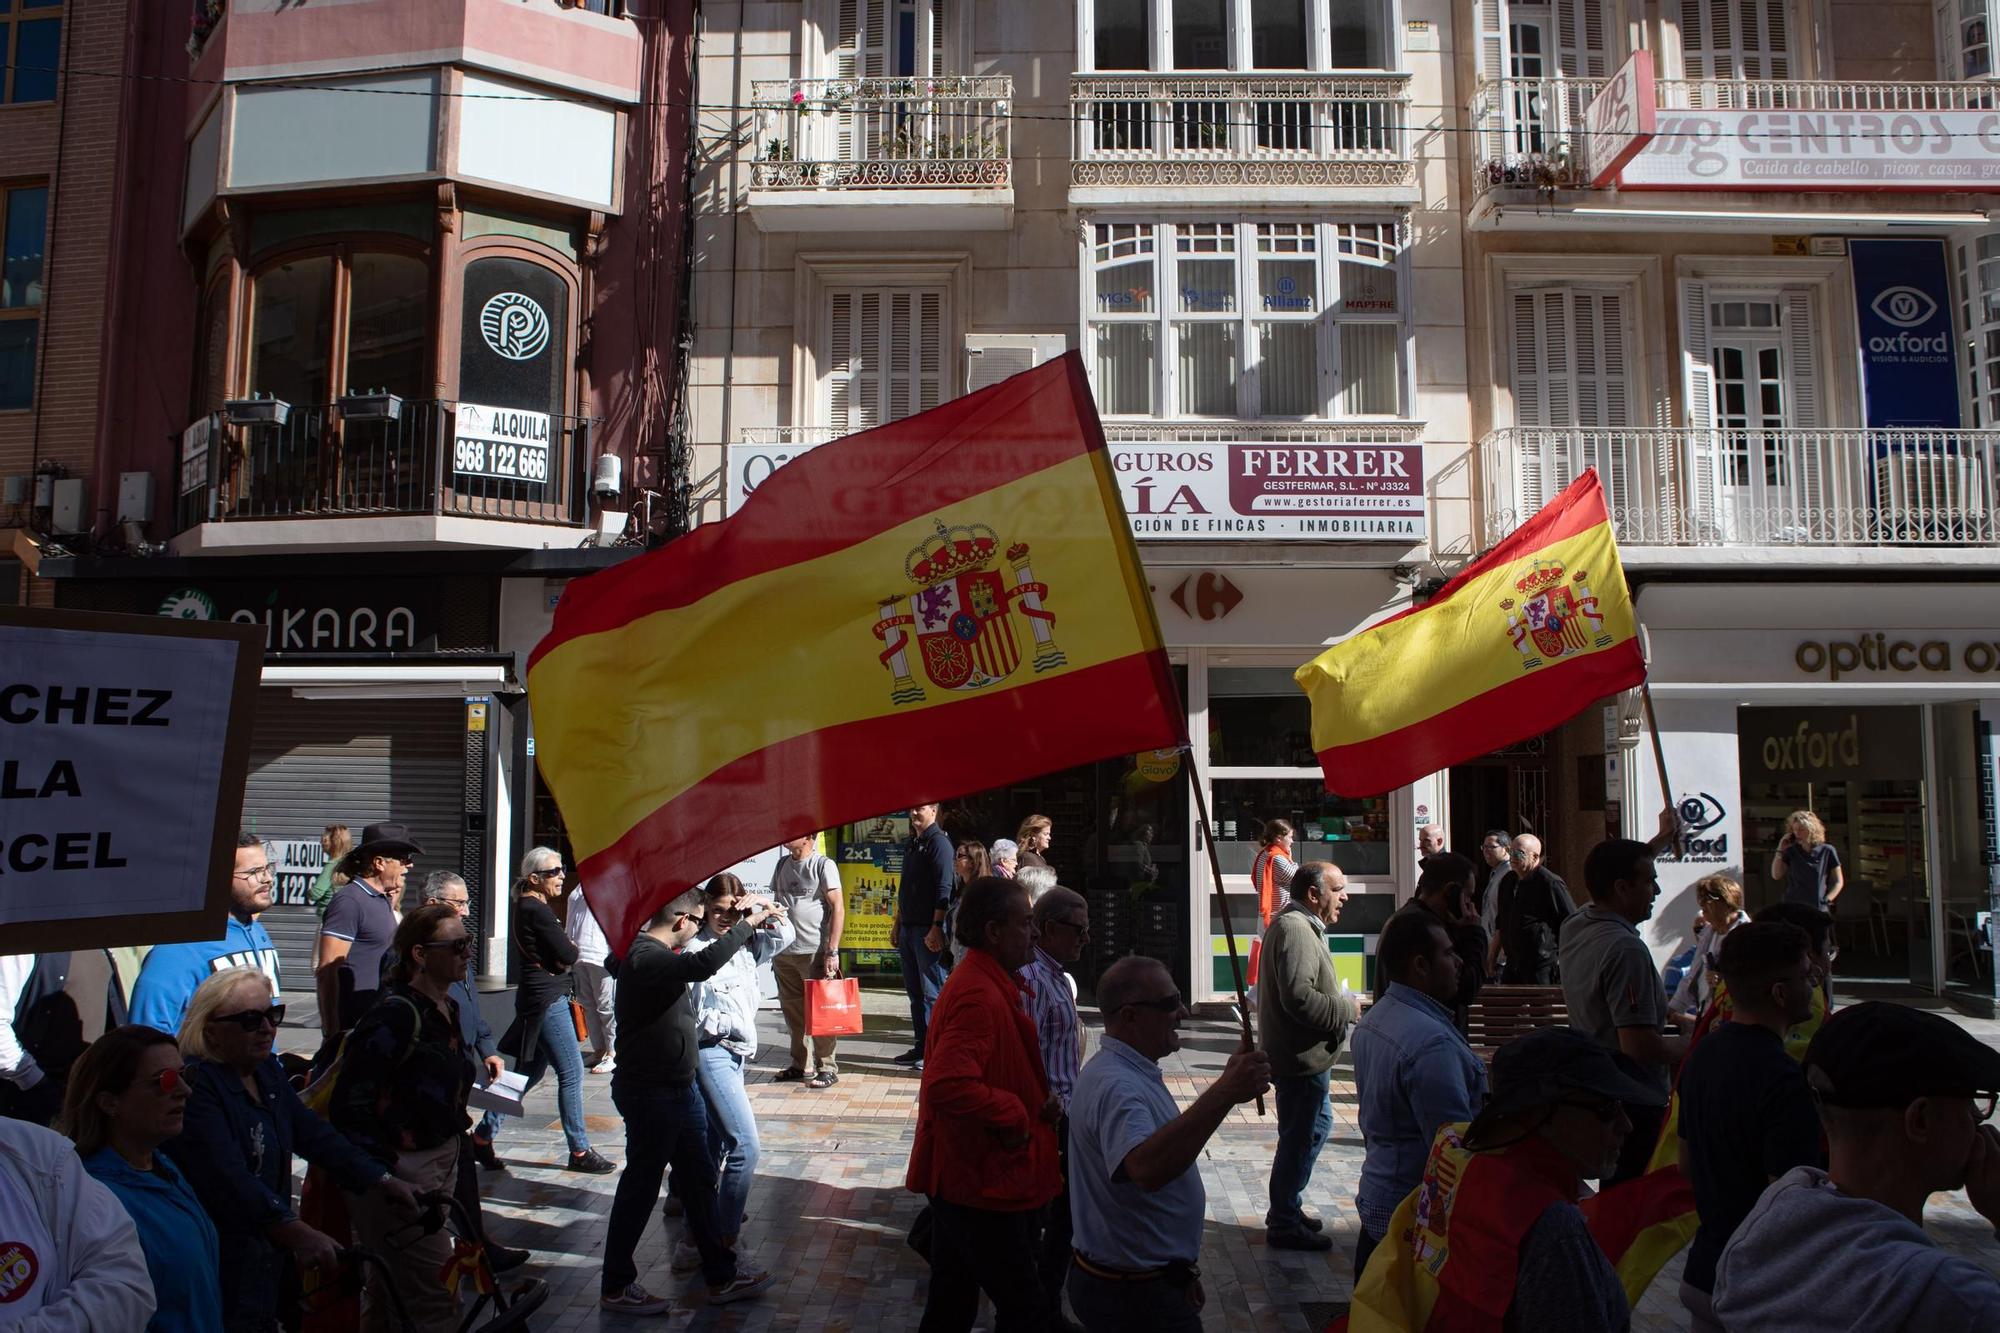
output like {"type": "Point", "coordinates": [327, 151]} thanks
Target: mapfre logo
{"type": "Point", "coordinates": [1905, 307]}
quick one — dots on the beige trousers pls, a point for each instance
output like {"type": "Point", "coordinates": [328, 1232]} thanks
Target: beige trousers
{"type": "Point", "coordinates": [792, 971]}
{"type": "Point", "coordinates": [413, 1260]}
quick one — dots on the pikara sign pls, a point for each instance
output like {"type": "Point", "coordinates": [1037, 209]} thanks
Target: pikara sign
{"type": "Point", "coordinates": [123, 746]}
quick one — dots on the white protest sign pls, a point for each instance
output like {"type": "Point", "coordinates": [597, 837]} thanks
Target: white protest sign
{"type": "Point", "coordinates": [123, 746]}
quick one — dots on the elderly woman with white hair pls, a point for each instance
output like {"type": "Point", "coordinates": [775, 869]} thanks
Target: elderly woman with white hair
{"type": "Point", "coordinates": [543, 1031]}
{"type": "Point", "coordinates": [1005, 856]}
{"type": "Point", "coordinates": [242, 1125]}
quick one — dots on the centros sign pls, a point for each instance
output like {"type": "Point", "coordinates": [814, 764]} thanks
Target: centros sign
{"type": "Point", "coordinates": [1820, 150]}
{"type": "Point", "coordinates": [1621, 120]}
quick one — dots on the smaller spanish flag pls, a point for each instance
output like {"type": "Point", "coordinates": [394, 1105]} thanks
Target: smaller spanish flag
{"type": "Point", "coordinates": [1522, 640]}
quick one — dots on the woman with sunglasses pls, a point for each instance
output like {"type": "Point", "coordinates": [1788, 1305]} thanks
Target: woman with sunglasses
{"type": "Point", "coordinates": [405, 1075]}
{"type": "Point", "coordinates": [543, 1032]}
{"type": "Point", "coordinates": [242, 1125]}
{"type": "Point", "coordinates": [126, 1098]}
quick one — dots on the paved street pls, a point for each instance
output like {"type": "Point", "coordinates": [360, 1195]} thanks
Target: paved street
{"type": "Point", "coordinates": [829, 1213]}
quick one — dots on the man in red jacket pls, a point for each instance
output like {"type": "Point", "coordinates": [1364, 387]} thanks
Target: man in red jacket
{"type": "Point", "coordinates": [985, 1153]}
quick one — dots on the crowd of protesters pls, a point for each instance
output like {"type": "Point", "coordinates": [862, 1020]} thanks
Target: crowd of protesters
{"type": "Point", "coordinates": [1061, 1185]}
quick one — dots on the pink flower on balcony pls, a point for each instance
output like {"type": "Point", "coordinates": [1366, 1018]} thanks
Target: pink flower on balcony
{"type": "Point", "coordinates": [798, 97]}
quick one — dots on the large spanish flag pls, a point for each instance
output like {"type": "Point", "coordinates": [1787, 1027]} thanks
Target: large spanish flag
{"type": "Point", "coordinates": [932, 608]}
{"type": "Point", "coordinates": [1522, 640]}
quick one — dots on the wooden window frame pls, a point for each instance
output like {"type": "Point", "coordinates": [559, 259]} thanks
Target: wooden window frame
{"type": "Point", "coordinates": [28, 313]}
{"type": "Point", "coordinates": [342, 252]}
{"type": "Point", "coordinates": [13, 12]}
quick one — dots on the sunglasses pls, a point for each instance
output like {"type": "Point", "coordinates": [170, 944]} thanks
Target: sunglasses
{"type": "Point", "coordinates": [463, 948]}
{"type": "Point", "coordinates": [545, 874]}
{"type": "Point", "coordinates": [250, 1020]}
{"type": "Point", "coordinates": [1165, 1004]}
{"type": "Point", "coordinates": [166, 1080]}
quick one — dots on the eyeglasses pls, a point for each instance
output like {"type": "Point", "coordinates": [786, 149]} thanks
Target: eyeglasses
{"type": "Point", "coordinates": [250, 1020]}
{"type": "Point", "coordinates": [460, 903]}
{"type": "Point", "coordinates": [257, 872]}
{"type": "Point", "coordinates": [1603, 1110]}
{"type": "Point", "coordinates": [1165, 1004]}
{"type": "Point", "coordinates": [461, 947]}
{"type": "Point", "coordinates": [1080, 927]}
{"type": "Point", "coordinates": [166, 1080]}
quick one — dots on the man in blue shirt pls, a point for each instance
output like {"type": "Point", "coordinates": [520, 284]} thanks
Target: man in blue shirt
{"type": "Point", "coordinates": [172, 971]}
{"type": "Point", "coordinates": [1135, 1192]}
{"type": "Point", "coordinates": [923, 900]}
{"type": "Point", "coordinates": [1413, 1071]}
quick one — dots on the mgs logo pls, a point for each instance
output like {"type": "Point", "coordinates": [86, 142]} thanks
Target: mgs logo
{"type": "Point", "coordinates": [1904, 307]}
{"type": "Point", "coordinates": [514, 326]}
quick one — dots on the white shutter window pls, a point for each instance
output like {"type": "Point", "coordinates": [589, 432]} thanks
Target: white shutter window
{"type": "Point", "coordinates": [1698, 402]}
{"type": "Point", "coordinates": [1734, 39]}
{"type": "Point", "coordinates": [1802, 399]}
{"type": "Point", "coordinates": [884, 355]}
{"type": "Point", "coordinates": [1569, 358]}
{"type": "Point", "coordinates": [861, 51]}
{"type": "Point", "coordinates": [1493, 64]}
{"type": "Point", "coordinates": [1580, 38]}
{"type": "Point", "coordinates": [1964, 31]}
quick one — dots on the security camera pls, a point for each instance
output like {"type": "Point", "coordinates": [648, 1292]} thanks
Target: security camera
{"type": "Point", "coordinates": [606, 482]}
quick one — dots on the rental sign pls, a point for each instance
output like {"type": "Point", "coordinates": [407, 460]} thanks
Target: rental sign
{"type": "Point", "coordinates": [1819, 150]}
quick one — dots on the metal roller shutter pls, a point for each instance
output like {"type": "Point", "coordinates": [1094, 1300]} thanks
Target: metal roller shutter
{"type": "Point", "coordinates": [316, 762]}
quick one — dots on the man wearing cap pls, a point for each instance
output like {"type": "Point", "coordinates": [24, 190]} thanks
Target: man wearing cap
{"type": "Point", "coordinates": [360, 923]}
{"type": "Point", "coordinates": [1494, 1223]}
{"type": "Point", "coordinates": [1745, 1115]}
{"type": "Point", "coordinates": [1905, 1098]}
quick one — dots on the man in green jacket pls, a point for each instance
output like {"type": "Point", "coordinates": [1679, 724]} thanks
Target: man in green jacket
{"type": "Point", "coordinates": [1304, 1012]}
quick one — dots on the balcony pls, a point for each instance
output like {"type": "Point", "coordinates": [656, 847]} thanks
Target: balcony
{"type": "Point", "coordinates": [432, 475]}
{"type": "Point", "coordinates": [902, 154]}
{"type": "Point", "coordinates": [1227, 138]}
{"type": "Point", "coordinates": [1810, 145]}
{"type": "Point", "coordinates": [1794, 496]}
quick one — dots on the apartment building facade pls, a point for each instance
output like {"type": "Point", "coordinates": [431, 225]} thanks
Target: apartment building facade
{"type": "Point", "coordinates": [387, 356]}
{"type": "Point", "coordinates": [1771, 332]}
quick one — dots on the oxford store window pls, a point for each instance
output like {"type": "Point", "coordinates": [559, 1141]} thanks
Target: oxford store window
{"type": "Point", "coordinates": [1173, 35]}
{"type": "Point", "coordinates": [1271, 320]}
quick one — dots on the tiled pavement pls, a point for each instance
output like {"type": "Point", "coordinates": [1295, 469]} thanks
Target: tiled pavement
{"type": "Point", "coordinates": [828, 1213]}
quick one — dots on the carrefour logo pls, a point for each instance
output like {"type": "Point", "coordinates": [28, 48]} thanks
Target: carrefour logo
{"type": "Point", "coordinates": [1905, 307]}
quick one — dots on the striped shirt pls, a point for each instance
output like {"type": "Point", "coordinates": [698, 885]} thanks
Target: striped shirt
{"type": "Point", "coordinates": [1053, 1004]}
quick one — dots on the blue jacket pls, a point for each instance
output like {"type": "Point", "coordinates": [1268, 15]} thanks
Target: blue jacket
{"type": "Point", "coordinates": [179, 1240]}
{"type": "Point", "coordinates": [472, 1025]}
{"type": "Point", "coordinates": [237, 1153]}
{"type": "Point", "coordinates": [172, 971]}
{"type": "Point", "coordinates": [928, 878]}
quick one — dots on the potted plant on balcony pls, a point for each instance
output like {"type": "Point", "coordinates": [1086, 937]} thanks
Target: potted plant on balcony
{"type": "Point", "coordinates": [207, 18]}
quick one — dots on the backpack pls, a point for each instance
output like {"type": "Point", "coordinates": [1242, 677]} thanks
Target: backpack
{"type": "Point", "coordinates": [318, 1095]}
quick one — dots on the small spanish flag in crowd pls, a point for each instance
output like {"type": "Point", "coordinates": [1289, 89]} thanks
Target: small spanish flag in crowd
{"type": "Point", "coordinates": [945, 604]}
{"type": "Point", "coordinates": [1522, 640]}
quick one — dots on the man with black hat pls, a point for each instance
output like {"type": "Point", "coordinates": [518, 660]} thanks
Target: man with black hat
{"type": "Point", "coordinates": [1494, 1223]}
{"type": "Point", "coordinates": [1904, 1097]}
{"type": "Point", "coordinates": [360, 922]}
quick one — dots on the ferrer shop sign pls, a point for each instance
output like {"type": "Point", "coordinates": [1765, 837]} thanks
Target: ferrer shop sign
{"type": "Point", "coordinates": [1820, 150]}
{"type": "Point", "coordinates": [1357, 492]}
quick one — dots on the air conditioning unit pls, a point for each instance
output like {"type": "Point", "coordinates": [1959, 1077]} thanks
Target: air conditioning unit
{"type": "Point", "coordinates": [992, 357]}
{"type": "Point", "coordinates": [1926, 496]}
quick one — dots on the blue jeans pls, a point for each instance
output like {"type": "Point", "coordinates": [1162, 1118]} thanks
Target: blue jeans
{"type": "Point", "coordinates": [1158, 1306]}
{"type": "Point", "coordinates": [556, 1044]}
{"type": "Point", "coordinates": [664, 1126]}
{"type": "Point", "coordinates": [923, 977]}
{"type": "Point", "coordinates": [732, 1132]}
{"type": "Point", "coordinates": [1305, 1118]}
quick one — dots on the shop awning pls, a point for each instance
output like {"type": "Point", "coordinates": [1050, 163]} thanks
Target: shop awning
{"type": "Point", "coordinates": [392, 681]}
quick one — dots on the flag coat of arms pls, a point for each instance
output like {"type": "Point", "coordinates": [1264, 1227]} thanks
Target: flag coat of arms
{"type": "Point", "coordinates": [1522, 640]}
{"type": "Point", "coordinates": [938, 606]}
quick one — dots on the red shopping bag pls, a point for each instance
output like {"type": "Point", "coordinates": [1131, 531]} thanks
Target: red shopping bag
{"type": "Point", "coordinates": [833, 1008]}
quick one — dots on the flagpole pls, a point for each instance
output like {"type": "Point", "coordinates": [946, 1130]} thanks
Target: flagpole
{"type": "Point", "coordinates": [1653, 730]}
{"type": "Point", "coordinates": [1207, 835]}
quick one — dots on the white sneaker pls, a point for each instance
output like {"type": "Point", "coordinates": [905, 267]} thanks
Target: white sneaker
{"type": "Point", "coordinates": [605, 1066]}
{"type": "Point", "coordinates": [687, 1256]}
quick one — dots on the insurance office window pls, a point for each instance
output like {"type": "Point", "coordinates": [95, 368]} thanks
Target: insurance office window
{"type": "Point", "coordinates": [1278, 320]}
{"type": "Point", "coordinates": [1168, 35]}
{"type": "Point", "coordinates": [24, 227]}
{"type": "Point", "coordinates": [30, 44]}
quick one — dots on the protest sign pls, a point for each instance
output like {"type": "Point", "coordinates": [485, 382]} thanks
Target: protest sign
{"type": "Point", "coordinates": [123, 746]}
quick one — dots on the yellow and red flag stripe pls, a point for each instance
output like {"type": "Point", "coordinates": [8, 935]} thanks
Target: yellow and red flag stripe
{"type": "Point", "coordinates": [945, 604]}
{"type": "Point", "coordinates": [1523, 639]}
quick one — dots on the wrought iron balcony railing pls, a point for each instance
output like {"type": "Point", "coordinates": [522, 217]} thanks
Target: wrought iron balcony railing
{"type": "Point", "coordinates": [942, 131]}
